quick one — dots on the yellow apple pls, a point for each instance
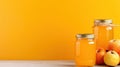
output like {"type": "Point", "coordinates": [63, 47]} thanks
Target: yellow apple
{"type": "Point", "coordinates": [111, 58]}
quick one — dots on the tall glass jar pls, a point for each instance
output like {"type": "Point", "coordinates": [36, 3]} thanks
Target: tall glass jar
{"type": "Point", "coordinates": [85, 50]}
{"type": "Point", "coordinates": [103, 32]}
{"type": "Point", "coordinates": [116, 31]}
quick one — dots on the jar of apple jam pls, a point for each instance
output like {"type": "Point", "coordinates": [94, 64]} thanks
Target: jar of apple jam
{"type": "Point", "coordinates": [103, 31]}
{"type": "Point", "coordinates": [85, 50]}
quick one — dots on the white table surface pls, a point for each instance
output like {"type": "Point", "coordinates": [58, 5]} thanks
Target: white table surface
{"type": "Point", "coordinates": [39, 64]}
{"type": "Point", "coordinates": [36, 63]}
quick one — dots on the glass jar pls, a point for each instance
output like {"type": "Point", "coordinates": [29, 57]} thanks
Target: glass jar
{"type": "Point", "coordinates": [85, 50]}
{"type": "Point", "coordinates": [116, 31]}
{"type": "Point", "coordinates": [103, 31]}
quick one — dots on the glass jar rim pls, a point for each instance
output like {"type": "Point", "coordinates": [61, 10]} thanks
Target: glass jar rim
{"type": "Point", "coordinates": [88, 35]}
{"type": "Point", "coordinates": [102, 22]}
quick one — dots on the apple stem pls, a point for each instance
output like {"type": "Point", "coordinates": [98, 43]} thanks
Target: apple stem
{"type": "Point", "coordinates": [112, 52]}
{"type": "Point", "coordinates": [107, 50]}
{"type": "Point", "coordinates": [98, 50]}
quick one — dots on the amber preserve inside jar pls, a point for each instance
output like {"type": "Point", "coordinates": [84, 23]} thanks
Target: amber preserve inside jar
{"type": "Point", "coordinates": [103, 31]}
{"type": "Point", "coordinates": [85, 50]}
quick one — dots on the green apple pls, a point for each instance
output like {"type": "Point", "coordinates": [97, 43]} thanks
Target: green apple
{"type": "Point", "coordinates": [111, 58]}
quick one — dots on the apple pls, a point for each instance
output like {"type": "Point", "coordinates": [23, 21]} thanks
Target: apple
{"type": "Point", "coordinates": [100, 56]}
{"type": "Point", "coordinates": [111, 58]}
{"type": "Point", "coordinates": [114, 45]}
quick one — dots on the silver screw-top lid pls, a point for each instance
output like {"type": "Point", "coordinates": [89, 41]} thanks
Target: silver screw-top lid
{"type": "Point", "coordinates": [85, 35]}
{"type": "Point", "coordinates": [103, 22]}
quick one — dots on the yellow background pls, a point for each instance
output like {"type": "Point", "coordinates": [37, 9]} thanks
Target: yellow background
{"type": "Point", "coordinates": [45, 29]}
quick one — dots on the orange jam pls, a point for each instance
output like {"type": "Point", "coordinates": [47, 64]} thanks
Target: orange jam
{"type": "Point", "coordinates": [85, 50]}
{"type": "Point", "coordinates": [103, 33]}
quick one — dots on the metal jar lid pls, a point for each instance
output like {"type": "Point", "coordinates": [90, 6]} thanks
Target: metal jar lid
{"type": "Point", "coordinates": [85, 35]}
{"type": "Point", "coordinates": [103, 22]}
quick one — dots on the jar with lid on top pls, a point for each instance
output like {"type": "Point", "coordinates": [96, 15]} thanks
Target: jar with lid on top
{"type": "Point", "coordinates": [85, 50]}
{"type": "Point", "coordinates": [103, 31]}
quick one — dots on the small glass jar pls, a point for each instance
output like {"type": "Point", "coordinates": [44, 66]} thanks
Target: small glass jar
{"type": "Point", "coordinates": [85, 50]}
{"type": "Point", "coordinates": [103, 31]}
